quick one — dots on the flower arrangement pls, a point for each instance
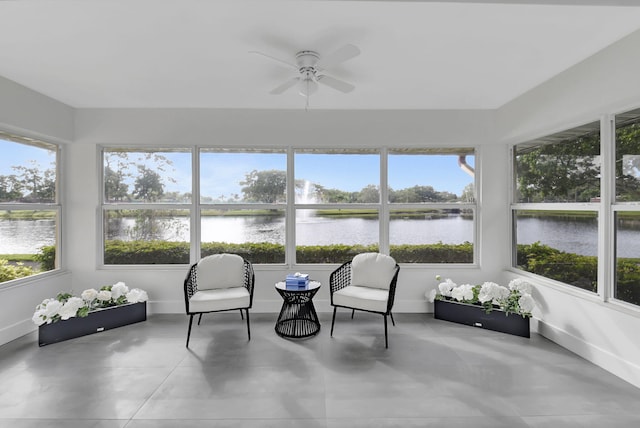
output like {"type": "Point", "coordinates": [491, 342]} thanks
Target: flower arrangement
{"type": "Point", "coordinates": [65, 305]}
{"type": "Point", "coordinates": [514, 299]}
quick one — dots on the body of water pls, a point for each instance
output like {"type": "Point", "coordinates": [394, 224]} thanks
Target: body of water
{"type": "Point", "coordinates": [571, 235]}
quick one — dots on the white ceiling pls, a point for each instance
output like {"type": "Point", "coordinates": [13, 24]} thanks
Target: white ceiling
{"type": "Point", "coordinates": [193, 53]}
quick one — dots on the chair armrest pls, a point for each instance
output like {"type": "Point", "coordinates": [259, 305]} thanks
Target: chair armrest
{"type": "Point", "coordinates": [340, 278]}
{"type": "Point", "coordinates": [249, 280]}
{"type": "Point", "coordinates": [190, 285]}
{"type": "Point", "coordinates": [392, 289]}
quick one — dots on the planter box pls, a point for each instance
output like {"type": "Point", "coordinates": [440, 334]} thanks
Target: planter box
{"type": "Point", "coordinates": [97, 321]}
{"type": "Point", "coordinates": [496, 320]}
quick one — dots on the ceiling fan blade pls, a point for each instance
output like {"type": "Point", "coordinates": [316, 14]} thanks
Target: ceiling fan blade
{"type": "Point", "coordinates": [334, 83]}
{"type": "Point", "coordinates": [343, 54]}
{"type": "Point", "coordinates": [286, 85]}
{"type": "Point", "coordinates": [273, 58]}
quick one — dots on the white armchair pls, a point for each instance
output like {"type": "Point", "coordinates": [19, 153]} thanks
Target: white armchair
{"type": "Point", "coordinates": [366, 283]}
{"type": "Point", "coordinates": [220, 282]}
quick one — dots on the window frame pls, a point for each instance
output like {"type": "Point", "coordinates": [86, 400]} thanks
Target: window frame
{"type": "Point", "coordinates": [593, 126]}
{"type": "Point", "coordinates": [55, 206]}
{"type": "Point", "coordinates": [609, 128]}
{"type": "Point", "coordinates": [291, 207]}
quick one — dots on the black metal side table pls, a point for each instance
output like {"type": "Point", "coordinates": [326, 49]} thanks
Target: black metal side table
{"type": "Point", "coordinates": [298, 318]}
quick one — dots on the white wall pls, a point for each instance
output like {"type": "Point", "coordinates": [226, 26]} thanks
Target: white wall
{"type": "Point", "coordinates": [603, 84]}
{"type": "Point", "coordinates": [185, 127]}
{"type": "Point", "coordinates": [28, 113]}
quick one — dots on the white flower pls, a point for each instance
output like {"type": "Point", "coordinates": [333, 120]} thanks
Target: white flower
{"type": "Point", "coordinates": [462, 292]}
{"type": "Point", "coordinates": [431, 296]}
{"type": "Point", "coordinates": [38, 318]}
{"type": "Point", "coordinates": [118, 289]}
{"type": "Point", "coordinates": [89, 295]}
{"type": "Point", "coordinates": [520, 285]}
{"type": "Point", "coordinates": [526, 303]}
{"type": "Point", "coordinates": [104, 295]}
{"type": "Point", "coordinates": [70, 308]}
{"type": "Point", "coordinates": [501, 293]}
{"type": "Point", "coordinates": [136, 295]}
{"type": "Point", "coordinates": [488, 292]}
{"type": "Point", "coordinates": [446, 287]}
{"type": "Point", "coordinates": [51, 309]}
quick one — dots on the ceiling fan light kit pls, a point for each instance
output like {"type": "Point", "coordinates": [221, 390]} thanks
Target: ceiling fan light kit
{"type": "Point", "coordinates": [310, 67]}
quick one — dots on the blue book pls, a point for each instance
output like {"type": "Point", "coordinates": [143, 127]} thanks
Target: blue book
{"type": "Point", "coordinates": [297, 281]}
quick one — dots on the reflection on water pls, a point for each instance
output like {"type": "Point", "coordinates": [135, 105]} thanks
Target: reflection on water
{"type": "Point", "coordinates": [26, 236]}
{"type": "Point", "coordinates": [577, 235]}
{"type": "Point", "coordinates": [571, 235]}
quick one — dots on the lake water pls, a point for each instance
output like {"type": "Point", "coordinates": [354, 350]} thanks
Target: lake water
{"type": "Point", "coordinates": [26, 236]}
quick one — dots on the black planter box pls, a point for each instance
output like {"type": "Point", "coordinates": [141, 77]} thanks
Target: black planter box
{"type": "Point", "coordinates": [97, 321]}
{"type": "Point", "coordinates": [496, 320]}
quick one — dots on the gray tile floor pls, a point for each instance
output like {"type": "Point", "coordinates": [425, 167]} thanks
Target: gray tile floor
{"type": "Point", "coordinates": [435, 374]}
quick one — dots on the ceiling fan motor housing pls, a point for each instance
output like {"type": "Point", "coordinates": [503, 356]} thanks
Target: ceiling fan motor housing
{"type": "Point", "coordinates": [307, 61]}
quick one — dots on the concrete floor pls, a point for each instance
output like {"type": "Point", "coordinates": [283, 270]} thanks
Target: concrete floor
{"type": "Point", "coordinates": [434, 374]}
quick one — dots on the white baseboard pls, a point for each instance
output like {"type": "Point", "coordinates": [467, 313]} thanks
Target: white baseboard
{"type": "Point", "coordinates": [273, 306]}
{"type": "Point", "coordinates": [624, 369]}
{"type": "Point", "coordinates": [14, 331]}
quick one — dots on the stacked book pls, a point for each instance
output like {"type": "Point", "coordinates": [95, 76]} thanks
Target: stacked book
{"type": "Point", "coordinates": [297, 281]}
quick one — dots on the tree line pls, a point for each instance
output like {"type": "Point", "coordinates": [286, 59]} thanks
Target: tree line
{"type": "Point", "coordinates": [569, 170]}
{"type": "Point", "coordinates": [29, 183]}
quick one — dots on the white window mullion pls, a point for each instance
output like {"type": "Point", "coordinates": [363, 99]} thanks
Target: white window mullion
{"type": "Point", "coordinates": [195, 214]}
{"type": "Point", "coordinates": [290, 215]}
{"type": "Point", "coordinates": [384, 215]}
{"type": "Point", "coordinates": [605, 215]}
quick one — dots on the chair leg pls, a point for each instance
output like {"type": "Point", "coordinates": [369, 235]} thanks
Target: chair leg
{"type": "Point", "coordinates": [353, 311]}
{"type": "Point", "coordinates": [199, 319]}
{"type": "Point", "coordinates": [386, 340]}
{"type": "Point", "coordinates": [248, 326]}
{"type": "Point", "coordinates": [189, 331]}
{"type": "Point", "coordinates": [392, 320]}
{"type": "Point", "coordinates": [241, 314]}
{"type": "Point", "coordinates": [333, 319]}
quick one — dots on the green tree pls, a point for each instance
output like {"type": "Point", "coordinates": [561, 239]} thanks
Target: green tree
{"type": "Point", "coordinates": [265, 186]}
{"type": "Point", "coordinates": [560, 172]}
{"type": "Point", "coordinates": [148, 185]}
{"type": "Point", "coordinates": [417, 194]}
{"type": "Point", "coordinates": [468, 193]}
{"type": "Point", "coordinates": [115, 189]}
{"type": "Point", "coordinates": [628, 162]}
{"type": "Point", "coordinates": [334, 196]}
{"type": "Point", "coordinates": [47, 191]}
{"type": "Point", "coordinates": [369, 194]}
{"type": "Point", "coordinates": [35, 184]}
{"type": "Point", "coordinates": [10, 188]}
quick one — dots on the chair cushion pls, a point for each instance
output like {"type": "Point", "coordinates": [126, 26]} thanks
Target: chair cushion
{"type": "Point", "coordinates": [220, 271]}
{"type": "Point", "coordinates": [220, 299]}
{"type": "Point", "coordinates": [372, 270]}
{"type": "Point", "coordinates": [365, 298]}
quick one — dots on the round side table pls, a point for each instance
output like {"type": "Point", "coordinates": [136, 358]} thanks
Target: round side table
{"type": "Point", "coordinates": [298, 318]}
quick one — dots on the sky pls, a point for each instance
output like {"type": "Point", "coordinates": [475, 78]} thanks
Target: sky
{"type": "Point", "coordinates": [221, 172]}
{"type": "Point", "coordinates": [20, 154]}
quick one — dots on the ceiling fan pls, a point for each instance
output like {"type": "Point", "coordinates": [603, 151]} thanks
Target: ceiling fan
{"type": "Point", "coordinates": [311, 67]}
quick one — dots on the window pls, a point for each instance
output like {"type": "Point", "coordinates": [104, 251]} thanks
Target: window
{"type": "Point", "coordinates": [29, 209]}
{"type": "Point", "coordinates": [286, 205]}
{"type": "Point", "coordinates": [242, 198]}
{"type": "Point", "coordinates": [555, 214]}
{"type": "Point", "coordinates": [626, 212]}
{"type": "Point", "coordinates": [337, 204]}
{"type": "Point", "coordinates": [146, 206]}
{"type": "Point", "coordinates": [432, 198]}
